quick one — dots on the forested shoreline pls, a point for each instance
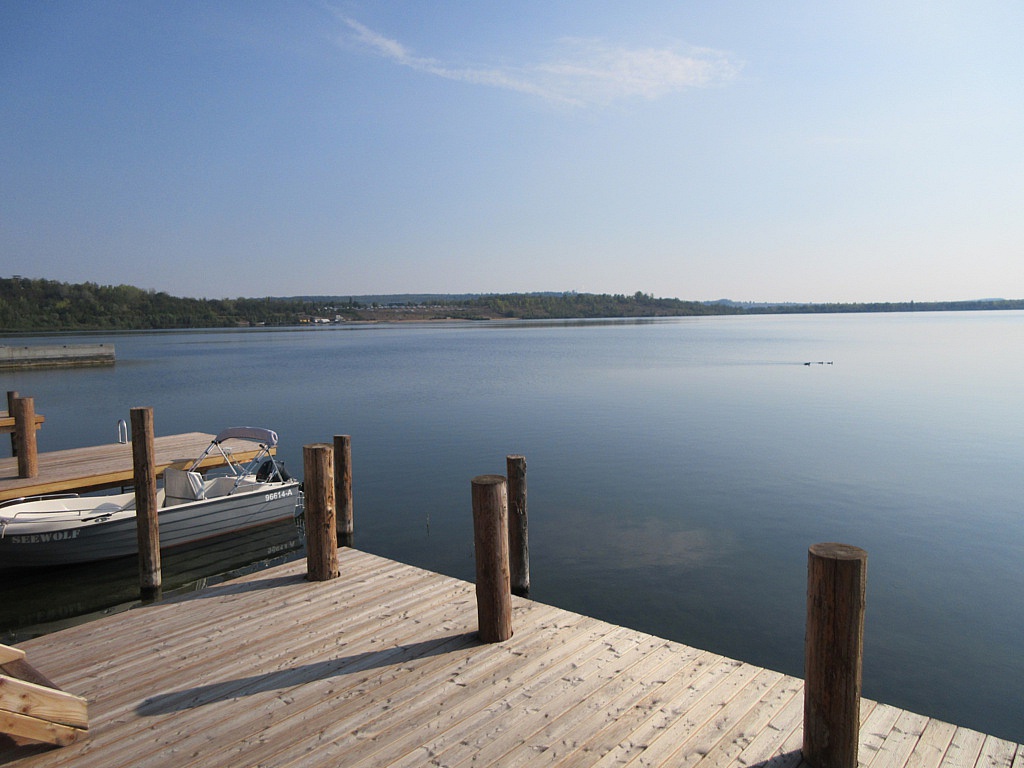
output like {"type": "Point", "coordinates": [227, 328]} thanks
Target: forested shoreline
{"type": "Point", "coordinates": [39, 305]}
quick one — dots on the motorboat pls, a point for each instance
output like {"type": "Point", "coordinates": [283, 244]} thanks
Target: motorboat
{"type": "Point", "coordinates": [191, 507]}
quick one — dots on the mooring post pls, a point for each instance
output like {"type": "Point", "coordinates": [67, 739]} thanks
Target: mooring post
{"type": "Point", "coordinates": [24, 413]}
{"type": "Point", "coordinates": [518, 528]}
{"type": "Point", "coordinates": [343, 489]}
{"type": "Point", "coordinates": [833, 654]}
{"type": "Point", "coordinates": [321, 528]}
{"type": "Point", "coordinates": [490, 539]}
{"type": "Point", "coordinates": [11, 396]}
{"type": "Point", "coordinates": [147, 525]}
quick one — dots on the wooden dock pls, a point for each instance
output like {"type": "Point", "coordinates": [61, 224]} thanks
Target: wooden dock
{"type": "Point", "coordinates": [7, 422]}
{"type": "Point", "coordinates": [382, 667]}
{"type": "Point", "coordinates": [55, 355]}
{"type": "Point", "coordinates": [102, 466]}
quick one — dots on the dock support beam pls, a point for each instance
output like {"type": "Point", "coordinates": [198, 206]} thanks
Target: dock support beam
{"type": "Point", "coordinates": [833, 654]}
{"type": "Point", "coordinates": [321, 527]}
{"type": "Point", "coordinates": [518, 528]}
{"type": "Point", "coordinates": [490, 539]}
{"type": "Point", "coordinates": [343, 489]}
{"type": "Point", "coordinates": [147, 525]}
{"type": "Point", "coordinates": [23, 409]}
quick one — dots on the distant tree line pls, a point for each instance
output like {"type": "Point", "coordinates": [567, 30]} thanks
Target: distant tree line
{"type": "Point", "coordinates": [48, 305]}
{"type": "Point", "coordinates": [898, 306]}
{"type": "Point", "coordinates": [544, 306]}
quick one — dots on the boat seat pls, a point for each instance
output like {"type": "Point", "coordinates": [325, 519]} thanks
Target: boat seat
{"type": "Point", "coordinates": [181, 486]}
{"type": "Point", "coordinates": [220, 486]}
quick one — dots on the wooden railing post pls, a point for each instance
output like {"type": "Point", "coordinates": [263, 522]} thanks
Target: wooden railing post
{"type": "Point", "coordinates": [11, 397]}
{"type": "Point", "coordinates": [147, 526]}
{"type": "Point", "coordinates": [321, 528]}
{"type": "Point", "coordinates": [490, 538]}
{"type": "Point", "coordinates": [343, 489]}
{"type": "Point", "coordinates": [24, 413]}
{"type": "Point", "coordinates": [518, 528]}
{"type": "Point", "coordinates": [833, 654]}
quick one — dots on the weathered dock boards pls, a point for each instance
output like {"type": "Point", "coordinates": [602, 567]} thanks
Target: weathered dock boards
{"type": "Point", "coordinates": [382, 667]}
{"type": "Point", "coordinates": [101, 466]}
{"type": "Point", "coordinates": [7, 422]}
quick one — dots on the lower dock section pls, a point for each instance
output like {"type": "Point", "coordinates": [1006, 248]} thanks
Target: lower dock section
{"type": "Point", "coordinates": [56, 356]}
{"type": "Point", "coordinates": [382, 667]}
{"type": "Point", "coordinates": [103, 466]}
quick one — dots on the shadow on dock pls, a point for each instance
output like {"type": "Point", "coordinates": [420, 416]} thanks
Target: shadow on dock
{"type": "Point", "coordinates": [191, 698]}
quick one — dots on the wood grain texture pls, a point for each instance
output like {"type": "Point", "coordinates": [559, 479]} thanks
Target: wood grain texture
{"type": "Point", "coordinates": [833, 654]}
{"type": "Point", "coordinates": [490, 545]}
{"type": "Point", "coordinates": [321, 521]}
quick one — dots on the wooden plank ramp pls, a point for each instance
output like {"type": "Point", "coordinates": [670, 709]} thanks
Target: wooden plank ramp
{"type": "Point", "coordinates": [382, 667]}
{"type": "Point", "coordinates": [101, 466]}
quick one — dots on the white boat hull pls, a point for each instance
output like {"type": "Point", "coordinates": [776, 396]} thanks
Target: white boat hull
{"type": "Point", "coordinates": [107, 530]}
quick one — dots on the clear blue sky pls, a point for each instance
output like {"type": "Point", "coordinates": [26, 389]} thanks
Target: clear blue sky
{"type": "Point", "coordinates": [788, 151]}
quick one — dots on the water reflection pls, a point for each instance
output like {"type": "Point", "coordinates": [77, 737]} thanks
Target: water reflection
{"type": "Point", "coordinates": [38, 601]}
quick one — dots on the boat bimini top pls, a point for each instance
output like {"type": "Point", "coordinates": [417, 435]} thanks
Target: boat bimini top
{"type": "Point", "coordinates": [254, 434]}
{"type": "Point", "coordinates": [262, 464]}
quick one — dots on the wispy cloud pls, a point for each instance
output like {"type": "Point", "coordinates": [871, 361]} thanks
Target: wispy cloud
{"type": "Point", "coordinates": [586, 72]}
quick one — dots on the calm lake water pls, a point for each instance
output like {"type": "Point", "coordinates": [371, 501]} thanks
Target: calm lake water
{"type": "Point", "coordinates": [678, 469]}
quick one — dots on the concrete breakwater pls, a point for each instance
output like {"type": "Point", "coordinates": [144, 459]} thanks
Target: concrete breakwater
{"type": "Point", "coordinates": [55, 355]}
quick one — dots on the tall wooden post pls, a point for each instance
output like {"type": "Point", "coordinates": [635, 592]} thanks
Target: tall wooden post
{"type": "Point", "coordinates": [343, 489]}
{"type": "Point", "coordinates": [833, 654]}
{"type": "Point", "coordinates": [147, 525]}
{"type": "Point", "coordinates": [11, 396]}
{"type": "Point", "coordinates": [24, 413]}
{"type": "Point", "coordinates": [321, 529]}
{"type": "Point", "coordinates": [518, 528]}
{"type": "Point", "coordinates": [490, 538]}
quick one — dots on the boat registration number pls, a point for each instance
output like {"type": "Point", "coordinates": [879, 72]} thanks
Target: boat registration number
{"type": "Point", "coordinates": [278, 495]}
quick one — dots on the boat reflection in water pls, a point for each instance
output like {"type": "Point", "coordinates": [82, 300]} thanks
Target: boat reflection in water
{"type": "Point", "coordinates": [42, 600]}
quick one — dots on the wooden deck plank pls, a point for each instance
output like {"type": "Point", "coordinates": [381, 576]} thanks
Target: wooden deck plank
{"type": "Point", "coordinates": [418, 682]}
{"type": "Point", "coordinates": [562, 732]}
{"type": "Point", "coordinates": [964, 749]}
{"type": "Point", "coordinates": [932, 745]}
{"type": "Point", "coordinates": [695, 726]}
{"type": "Point", "coordinates": [874, 731]}
{"type": "Point", "coordinates": [628, 728]}
{"type": "Point", "coordinates": [382, 668]}
{"type": "Point", "coordinates": [102, 466]}
{"type": "Point", "coordinates": [899, 744]}
{"type": "Point", "coordinates": [516, 722]}
{"type": "Point", "coordinates": [263, 655]}
{"type": "Point", "coordinates": [7, 424]}
{"type": "Point", "coordinates": [1018, 761]}
{"type": "Point", "coordinates": [997, 753]}
{"type": "Point", "coordinates": [204, 715]}
{"type": "Point", "coordinates": [735, 739]}
{"type": "Point", "coordinates": [144, 635]}
{"type": "Point", "coordinates": [435, 705]}
{"type": "Point", "coordinates": [781, 735]}
{"type": "Point", "coordinates": [475, 726]}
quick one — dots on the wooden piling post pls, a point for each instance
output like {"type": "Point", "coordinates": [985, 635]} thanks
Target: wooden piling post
{"type": "Point", "coordinates": [833, 654]}
{"type": "Point", "coordinates": [147, 525]}
{"type": "Point", "coordinates": [490, 538]}
{"type": "Point", "coordinates": [518, 528]}
{"type": "Point", "coordinates": [24, 413]}
{"type": "Point", "coordinates": [321, 528]}
{"type": "Point", "coordinates": [343, 489]}
{"type": "Point", "coordinates": [11, 397]}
